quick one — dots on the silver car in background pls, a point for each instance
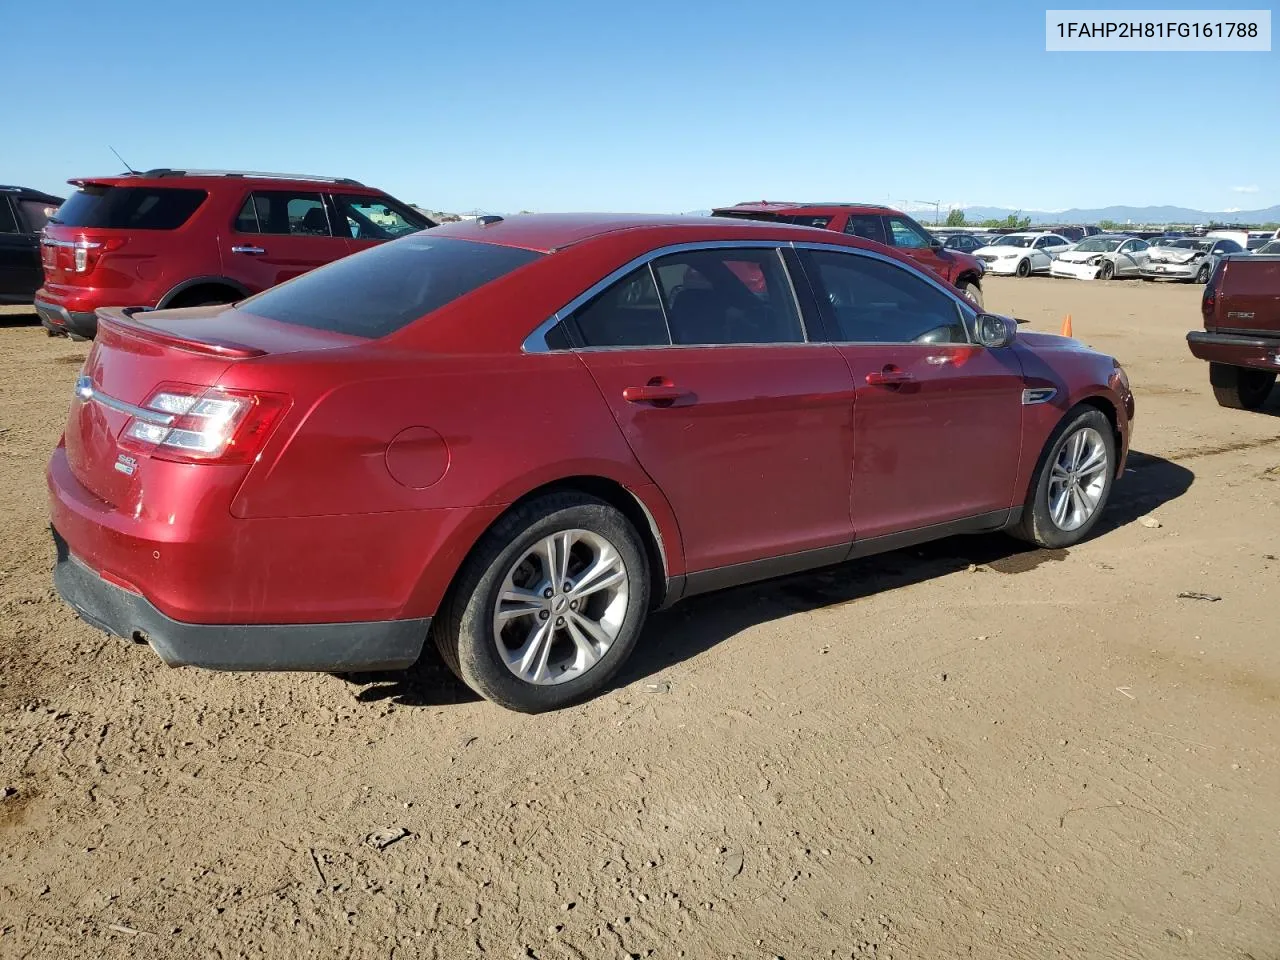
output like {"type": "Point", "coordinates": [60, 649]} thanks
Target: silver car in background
{"type": "Point", "coordinates": [1102, 257]}
{"type": "Point", "coordinates": [1191, 258]}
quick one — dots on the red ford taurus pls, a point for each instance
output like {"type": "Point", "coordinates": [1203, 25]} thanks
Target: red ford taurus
{"type": "Point", "coordinates": [520, 436]}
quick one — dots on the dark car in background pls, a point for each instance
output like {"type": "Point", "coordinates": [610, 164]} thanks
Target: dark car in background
{"type": "Point", "coordinates": [884, 225]}
{"type": "Point", "coordinates": [963, 242]}
{"type": "Point", "coordinates": [186, 238]}
{"type": "Point", "coordinates": [23, 213]}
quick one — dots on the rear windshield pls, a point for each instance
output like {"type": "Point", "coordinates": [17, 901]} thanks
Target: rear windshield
{"type": "Point", "coordinates": [374, 293]}
{"type": "Point", "coordinates": [129, 208]}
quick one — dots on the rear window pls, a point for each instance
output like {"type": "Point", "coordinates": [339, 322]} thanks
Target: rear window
{"type": "Point", "coordinates": [799, 219]}
{"type": "Point", "coordinates": [129, 208]}
{"type": "Point", "coordinates": [374, 293]}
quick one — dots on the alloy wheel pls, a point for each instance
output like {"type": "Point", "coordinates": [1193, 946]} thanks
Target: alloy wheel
{"type": "Point", "coordinates": [561, 607]}
{"type": "Point", "coordinates": [1078, 479]}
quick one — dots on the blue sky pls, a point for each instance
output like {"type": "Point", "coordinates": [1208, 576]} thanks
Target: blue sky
{"type": "Point", "coordinates": [660, 106]}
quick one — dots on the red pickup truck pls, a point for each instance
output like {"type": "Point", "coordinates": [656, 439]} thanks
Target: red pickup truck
{"type": "Point", "coordinates": [1241, 336]}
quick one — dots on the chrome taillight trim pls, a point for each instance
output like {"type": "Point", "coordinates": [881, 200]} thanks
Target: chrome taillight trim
{"type": "Point", "coordinates": [86, 392]}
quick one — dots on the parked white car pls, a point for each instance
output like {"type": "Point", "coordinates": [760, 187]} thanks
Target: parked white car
{"type": "Point", "coordinates": [1191, 258]}
{"type": "Point", "coordinates": [1022, 254]}
{"type": "Point", "coordinates": [1101, 258]}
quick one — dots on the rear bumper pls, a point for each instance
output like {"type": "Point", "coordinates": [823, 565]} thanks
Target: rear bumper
{"type": "Point", "coordinates": [378, 645]}
{"type": "Point", "coordinates": [1237, 350]}
{"type": "Point", "coordinates": [59, 319]}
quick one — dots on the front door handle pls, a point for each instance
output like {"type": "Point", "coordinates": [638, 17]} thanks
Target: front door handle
{"type": "Point", "coordinates": [657, 390]}
{"type": "Point", "coordinates": [890, 376]}
{"type": "Point", "coordinates": [249, 250]}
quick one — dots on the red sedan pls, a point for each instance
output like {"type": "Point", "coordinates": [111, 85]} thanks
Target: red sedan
{"type": "Point", "coordinates": [520, 436]}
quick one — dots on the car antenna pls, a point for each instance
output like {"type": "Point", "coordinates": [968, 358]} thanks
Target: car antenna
{"type": "Point", "coordinates": [122, 160]}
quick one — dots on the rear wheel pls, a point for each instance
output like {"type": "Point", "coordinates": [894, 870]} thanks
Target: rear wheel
{"type": "Point", "coordinates": [971, 292]}
{"type": "Point", "coordinates": [1072, 481]}
{"type": "Point", "coordinates": [549, 605]}
{"type": "Point", "coordinates": [1240, 387]}
{"type": "Point", "coordinates": [1024, 268]}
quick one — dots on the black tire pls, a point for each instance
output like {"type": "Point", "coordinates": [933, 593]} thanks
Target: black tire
{"type": "Point", "coordinates": [464, 631]}
{"type": "Point", "coordinates": [1239, 387]}
{"type": "Point", "coordinates": [1202, 275]}
{"type": "Point", "coordinates": [1024, 268]}
{"type": "Point", "coordinates": [971, 292]}
{"type": "Point", "coordinates": [1037, 525]}
{"type": "Point", "coordinates": [1108, 270]}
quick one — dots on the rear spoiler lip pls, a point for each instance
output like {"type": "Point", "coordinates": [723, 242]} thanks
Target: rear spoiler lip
{"type": "Point", "coordinates": [121, 320]}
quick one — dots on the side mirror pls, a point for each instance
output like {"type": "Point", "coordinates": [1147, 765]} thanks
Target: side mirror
{"type": "Point", "coordinates": [935, 244]}
{"type": "Point", "coordinates": [994, 332]}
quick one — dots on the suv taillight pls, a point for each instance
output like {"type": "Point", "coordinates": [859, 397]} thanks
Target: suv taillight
{"type": "Point", "coordinates": [190, 424]}
{"type": "Point", "coordinates": [1209, 302]}
{"type": "Point", "coordinates": [87, 253]}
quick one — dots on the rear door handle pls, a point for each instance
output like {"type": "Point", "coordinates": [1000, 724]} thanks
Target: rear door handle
{"type": "Point", "coordinates": [888, 377]}
{"type": "Point", "coordinates": [662, 391]}
{"type": "Point", "coordinates": [250, 250]}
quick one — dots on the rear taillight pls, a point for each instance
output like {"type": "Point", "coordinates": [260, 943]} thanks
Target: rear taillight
{"type": "Point", "coordinates": [191, 424]}
{"type": "Point", "coordinates": [85, 254]}
{"type": "Point", "coordinates": [1209, 302]}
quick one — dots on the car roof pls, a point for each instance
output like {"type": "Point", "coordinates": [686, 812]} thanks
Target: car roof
{"type": "Point", "coordinates": [547, 232]}
{"type": "Point", "coordinates": [777, 206]}
{"type": "Point", "coordinates": [169, 177]}
{"type": "Point", "coordinates": [26, 193]}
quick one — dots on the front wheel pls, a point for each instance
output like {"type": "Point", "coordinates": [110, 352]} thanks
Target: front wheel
{"type": "Point", "coordinates": [1108, 270]}
{"type": "Point", "coordinates": [1072, 481]}
{"type": "Point", "coordinates": [1024, 268]}
{"type": "Point", "coordinates": [549, 605]}
{"type": "Point", "coordinates": [971, 292]}
{"type": "Point", "coordinates": [1202, 276]}
{"type": "Point", "coordinates": [1239, 387]}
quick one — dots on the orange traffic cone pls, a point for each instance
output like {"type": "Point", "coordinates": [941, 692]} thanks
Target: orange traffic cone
{"type": "Point", "coordinates": [1066, 326]}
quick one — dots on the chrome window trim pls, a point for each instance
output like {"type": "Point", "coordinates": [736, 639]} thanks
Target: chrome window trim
{"type": "Point", "coordinates": [536, 342]}
{"type": "Point", "coordinates": [85, 392]}
{"type": "Point", "coordinates": [968, 315]}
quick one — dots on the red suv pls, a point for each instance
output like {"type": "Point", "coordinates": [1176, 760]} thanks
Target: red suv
{"type": "Point", "coordinates": [881, 224]}
{"type": "Point", "coordinates": [178, 238]}
{"type": "Point", "coordinates": [520, 436]}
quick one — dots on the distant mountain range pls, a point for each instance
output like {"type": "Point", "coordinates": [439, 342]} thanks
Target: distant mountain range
{"type": "Point", "coordinates": [1129, 215]}
{"type": "Point", "coordinates": [1134, 215]}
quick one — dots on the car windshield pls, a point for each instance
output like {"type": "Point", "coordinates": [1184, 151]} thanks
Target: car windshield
{"type": "Point", "coordinates": [374, 293]}
{"type": "Point", "coordinates": [1012, 241]}
{"type": "Point", "coordinates": [1272, 247]}
{"type": "Point", "coordinates": [1099, 245]}
{"type": "Point", "coordinates": [1165, 241]}
{"type": "Point", "coordinates": [1189, 244]}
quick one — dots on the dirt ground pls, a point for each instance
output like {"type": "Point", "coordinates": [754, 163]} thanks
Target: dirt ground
{"type": "Point", "coordinates": [963, 750]}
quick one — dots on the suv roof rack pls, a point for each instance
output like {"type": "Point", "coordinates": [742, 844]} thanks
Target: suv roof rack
{"type": "Point", "coordinates": [256, 174]}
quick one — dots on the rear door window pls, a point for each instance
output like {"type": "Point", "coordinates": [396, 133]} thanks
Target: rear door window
{"type": "Point", "coordinates": [284, 212]}
{"type": "Point", "coordinates": [374, 293]}
{"type": "Point", "coordinates": [626, 314]}
{"type": "Point", "coordinates": [728, 297]}
{"type": "Point", "coordinates": [129, 208]}
{"type": "Point", "coordinates": [867, 226]}
{"type": "Point", "coordinates": [35, 213]}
